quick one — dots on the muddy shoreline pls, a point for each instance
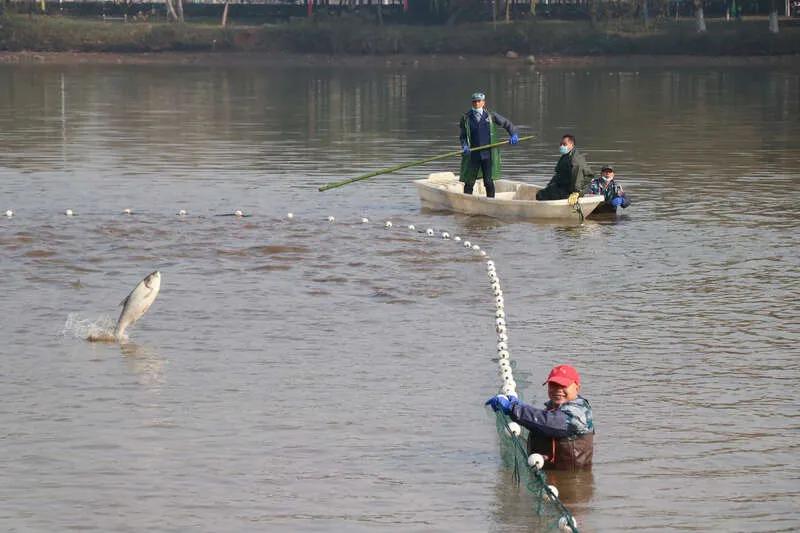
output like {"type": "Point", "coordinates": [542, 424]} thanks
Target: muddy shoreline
{"type": "Point", "coordinates": [264, 59]}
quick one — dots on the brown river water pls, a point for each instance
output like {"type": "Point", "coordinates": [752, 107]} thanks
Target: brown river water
{"type": "Point", "coordinates": [302, 375]}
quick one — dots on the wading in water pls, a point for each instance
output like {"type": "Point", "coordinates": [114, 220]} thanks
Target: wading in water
{"type": "Point", "coordinates": [562, 432]}
{"type": "Point", "coordinates": [479, 128]}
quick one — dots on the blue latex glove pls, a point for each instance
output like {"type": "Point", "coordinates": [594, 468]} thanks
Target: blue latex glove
{"type": "Point", "coordinates": [514, 139]}
{"type": "Point", "coordinates": [616, 202]}
{"type": "Point", "coordinates": [501, 402]}
{"type": "Point", "coordinates": [465, 149]}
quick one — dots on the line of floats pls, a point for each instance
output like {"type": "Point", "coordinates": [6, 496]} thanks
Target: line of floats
{"type": "Point", "coordinates": [504, 361]}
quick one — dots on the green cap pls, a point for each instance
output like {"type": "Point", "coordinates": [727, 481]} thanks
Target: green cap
{"type": "Point", "coordinates": [478, 96]}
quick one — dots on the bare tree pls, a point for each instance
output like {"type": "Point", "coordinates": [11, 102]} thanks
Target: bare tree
{"type": "Point", "coordinates": [698, 11]}
{"type": "Point", "coordinates": [225, 14]}
{"type": "Point", "coordinates": [171, 14]}
{"type": "Point", "coordinates": [773, 17]}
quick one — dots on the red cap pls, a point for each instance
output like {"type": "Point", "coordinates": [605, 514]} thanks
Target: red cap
{"type": "Point", "coordinates": [563, 375]}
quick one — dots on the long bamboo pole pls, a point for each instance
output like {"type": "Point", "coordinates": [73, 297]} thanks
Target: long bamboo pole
{"type": "Point", "coordinates": [335, 184]}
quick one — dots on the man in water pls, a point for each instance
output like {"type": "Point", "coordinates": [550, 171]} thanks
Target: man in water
{"type": "Point", "coordinates": [572, 174]}
{"type": "Point", "coordinates": [479, 128]}
{"type": "Point", "coordinates": [610, 189]}
{"type": "Point", "coordinates": [562, 432]}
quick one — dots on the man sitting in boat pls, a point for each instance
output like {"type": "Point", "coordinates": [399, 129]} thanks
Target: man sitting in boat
{"type": "Point", "coordinates": [572, 174]}
{"type": "Point", "coordinates": [610, 189]}
{"type": "Point", "coordinates": [562, 432]}
{"type": "Point", "coordinates": [479, 128]}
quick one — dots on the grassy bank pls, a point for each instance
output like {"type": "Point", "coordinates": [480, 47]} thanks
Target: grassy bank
{"type": "Point", "coordinates": [54, 33]}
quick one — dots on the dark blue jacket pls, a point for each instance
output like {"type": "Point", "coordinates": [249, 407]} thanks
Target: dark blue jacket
{"type": "Point", "coordinates": [480, 133]}
{"type": "Point", "coordinates": [568, 420]}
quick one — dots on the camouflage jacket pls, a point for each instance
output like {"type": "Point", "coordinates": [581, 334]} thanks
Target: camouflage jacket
{"type": "Point", "coordinates": [609, 189]}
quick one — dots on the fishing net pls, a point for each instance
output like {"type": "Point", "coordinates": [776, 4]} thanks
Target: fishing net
{"type": "Point", "coordinates": [551, 513]}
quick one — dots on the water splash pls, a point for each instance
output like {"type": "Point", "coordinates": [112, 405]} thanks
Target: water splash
{"type": "Point", "coordinates": [97, 330]}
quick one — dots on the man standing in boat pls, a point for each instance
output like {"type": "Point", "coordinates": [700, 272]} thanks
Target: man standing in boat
{"type": "Point", "coordinates": [572, 174]}
{"type": "Point", "coordinates": [479, 128]}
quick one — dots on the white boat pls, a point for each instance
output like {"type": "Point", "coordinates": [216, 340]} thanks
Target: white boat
{"type": "Point", "coordinates": [441, 191]}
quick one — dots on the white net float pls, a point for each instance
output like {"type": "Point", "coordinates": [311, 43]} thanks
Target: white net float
{"type": "Point", "coordinates": [239, 213]}
{"type": "Point", "coordinates": [429, 232]}
{"type": "Point", "coordinates": [513, 429]}
{"type": "Point", "coordinates": [476, 247]}
{"type": "Point", "coordinates": [9, 213]}
{"type": "Point", "coordinates": [536, 461]}
{"type": "Point", "coordinates": [69, 212]}
{"type": "Point", "coordinates": [445, 235]}
{"type": "Point", "coordinates": [387, 224]}
{"type": "Point", "coordinates": [182, 213]}
{"type": "Point", "coordinates": [364, 220]}
{"type": "Point", "coordinates": [467, 244]}
{"type": "Point", "coordinates": [567, 524]}
{"type": "Point", "coordinates": [289, 215]}
{"type": "Point", "coordinates": [127, 211]}
{"type": "Point", "coordinates": [457, 238]}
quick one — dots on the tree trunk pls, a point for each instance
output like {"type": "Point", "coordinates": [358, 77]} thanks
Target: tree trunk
{"type": "Point", "coordinates": [179, 4]}
{"type": "Point", "coordinates": [698, 11]}
{"type": "Point", "coordinates": [508, 10]}
{"type": "Point", "coordinates": [645, 13]}
{"type": "Point", "coordinates": [773, 17]}
{"type": "Point", "coordinates": [225, 15]}
{"type": "Point", "coordinates": [380, 12]}
{"type": "Point", "coordinates": [773, 21]}
{"type": "Point", "coordinates": [171, 15]}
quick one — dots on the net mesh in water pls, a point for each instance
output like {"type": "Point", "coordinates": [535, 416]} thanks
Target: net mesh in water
{"type": "Point", "coordinates": [551, 512]}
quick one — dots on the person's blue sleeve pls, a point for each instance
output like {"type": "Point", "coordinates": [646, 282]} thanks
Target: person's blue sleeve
{"type": "Point", "coordinates": [551, 423]}
{"type": "Point", "coordinates": [504, 123]}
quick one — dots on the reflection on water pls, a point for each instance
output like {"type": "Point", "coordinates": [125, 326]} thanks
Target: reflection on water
{"type": "Point", "coordinates": [306, 375]}
{"type": "Point", "coordinates": [144, 362]}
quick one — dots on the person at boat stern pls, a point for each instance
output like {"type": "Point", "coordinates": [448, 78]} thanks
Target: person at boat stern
{"type": "Point", "coordinates": [479, 128]}
{"type": "Point", "coordinates": [562, 432]}
{"type": "Point", "coordinates": [572, 174]}
{"type": "Point", "coordinates": [610, 189]}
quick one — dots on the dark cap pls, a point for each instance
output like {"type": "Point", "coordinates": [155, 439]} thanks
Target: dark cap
{"type": "Point", "coordinates": [608, 168]}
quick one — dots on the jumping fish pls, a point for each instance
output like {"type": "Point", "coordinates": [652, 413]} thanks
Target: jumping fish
{"type": "Point", "coordinates": [134, 306]}
{"type": "Point", "coordinates": [138, 302]}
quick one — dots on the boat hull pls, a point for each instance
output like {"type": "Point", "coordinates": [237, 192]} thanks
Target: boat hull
{"type": "Point", "coordinates": [513, 200]}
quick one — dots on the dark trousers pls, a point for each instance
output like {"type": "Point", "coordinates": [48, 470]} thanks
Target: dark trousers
{"type": "Point", "coordinates": [488, 183]}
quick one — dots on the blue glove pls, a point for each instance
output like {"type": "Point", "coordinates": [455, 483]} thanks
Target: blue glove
{"type": "Point", "coordinates": [616, 202]}
{"type": "Point", "coordinates": [501, 402]}
{"type": "Point", "coordinates": [465, 149]}
{"type": "Point", "coordinates": [514, 139]}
